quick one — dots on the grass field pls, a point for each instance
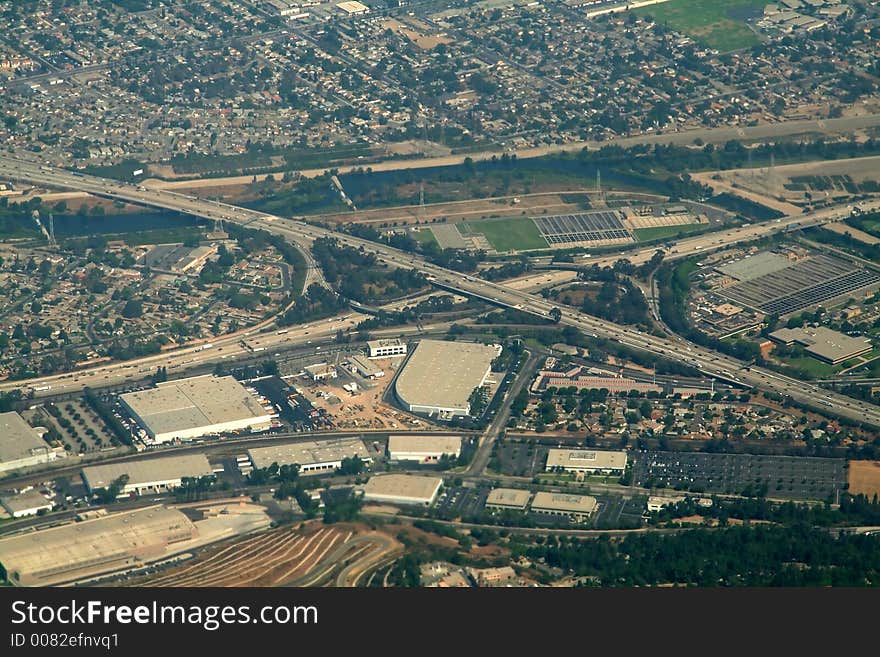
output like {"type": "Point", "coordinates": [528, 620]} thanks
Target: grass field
{"type": "Point", "coordinates": [424, 236]}
{"type": "Point", "coordinates": [719, 24]}
{"type": "Point", "coordinates": [662, 232]}
{"type": "Point", "coordinates": [816, 368]}
{"type": "Point", "coordinates": [514, 234]}
{"type": "Point", "coordinates": [864, 477]}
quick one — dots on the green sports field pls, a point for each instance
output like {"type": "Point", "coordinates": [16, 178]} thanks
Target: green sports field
{"type": "Point", "coordinates": [514, 234]}
{"type": "Point", "coordinates": [719, 24]}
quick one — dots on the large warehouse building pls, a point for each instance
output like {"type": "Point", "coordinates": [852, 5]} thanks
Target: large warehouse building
{"type": "Point", "coordinates": [403, 489]}
{"type": "Point", "coordinates": [422, 449]}
{"type": "Point", "coordinates": [194, 407]}
{"type": "Point", "coordinates": [148, 475]}
{"type": "Point", "coordinates": [439, 377]}
{"type": "Point", "coordinates": [20, 444]}
{"type": "Point", "coordinates": [84, 549]}
{"type": "Point", "coordinates": [312, 456]}
{"type": "Point", "coordinates": [823, 343]}
{"type": "Point", "coordinates": [587, 461]}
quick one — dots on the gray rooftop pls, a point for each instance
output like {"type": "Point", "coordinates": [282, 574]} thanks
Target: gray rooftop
{"type": "Point", "coordinates": [145, 471]}
{"type": "Point", "coordinates": [564, 503]}
{"type": "Point", "coordinates": [512, 497]}
{"type": "Point", "coordinates": [402, 486]}
{"type": "Point", "coordinates": [431, 444]}
{"type": "Point", "coordinates": [18, 439]}
{"type": "Point", "coordinates": [308, 452]}
{"type": "Point", "coordinates": [444, 374]}
{"type": "Point", "coordinates": [586, 458]}
{"type": "Point", "coordinates": [31, 499]}
{"type": "Point", "coordinates": [200, 401]}
{"type": "Point", "coordinates": [824, 343]}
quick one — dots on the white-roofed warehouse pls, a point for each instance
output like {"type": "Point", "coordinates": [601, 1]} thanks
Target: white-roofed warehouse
{"type": "Point", "coordinates": [20, 444]}
{"type": "Point", "coordinates": [439, 377]}
{"type": "Point", "coordinates": [423, 449]}
{"type": "Point", "coordinates": [403, 489]}
{"type": "Point", "coordinates": [148, 475]}
{"type": "Point", "coordinates": [194, 407]}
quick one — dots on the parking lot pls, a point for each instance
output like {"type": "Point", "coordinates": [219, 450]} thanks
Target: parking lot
{"type": "Point", "coordinates": [460, 502]}
{"type": "Point", "coordinates": [777, 476]}
{"type": "Point", "coordinates": [582, 227]}
{"type": "Point", "coordinates": [518, 459]}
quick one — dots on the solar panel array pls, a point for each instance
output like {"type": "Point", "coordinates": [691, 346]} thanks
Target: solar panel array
{"type": "Point", "coordinates": [806, 283]}
{"type": "Point", "coordinates": [582, 227]}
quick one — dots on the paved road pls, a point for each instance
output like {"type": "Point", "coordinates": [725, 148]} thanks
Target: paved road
{"type": "Point", "coordinates": [487, 440]}
{"type": "Point", "coordinates": [709, 362]}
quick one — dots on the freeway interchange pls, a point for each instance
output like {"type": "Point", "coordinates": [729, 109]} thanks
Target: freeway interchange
{"type": "Point", "coordinates": [675, 348]}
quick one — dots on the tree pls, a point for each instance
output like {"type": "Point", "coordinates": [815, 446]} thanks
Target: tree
{"type": "Point", "coordinates": [555, 315]}
{"type": "Point", "coordinates": [133, 308]}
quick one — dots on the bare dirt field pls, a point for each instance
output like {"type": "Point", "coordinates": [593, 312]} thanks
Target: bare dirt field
{"type": "Point", "coordinates": [864, 477]}
{"type": "Point", "coordinates": [455, 211]}
{"type": "Point", "coordinates": [308, 554]}
{"type": "Point", "coordinates": [423, 41]}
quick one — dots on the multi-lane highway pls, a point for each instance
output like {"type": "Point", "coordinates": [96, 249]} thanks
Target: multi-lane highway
{"type": "Point", "coordinates": [712, 363]}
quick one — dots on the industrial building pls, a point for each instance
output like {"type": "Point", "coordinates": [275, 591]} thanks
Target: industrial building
{"type": "Point", "coordinates": [439, 377]}
{"type": "Point", "coordinates": [403, 489]}
{"type": "Point", "coordinates": [823, 343]}
{"type": "Point", "coordinates": [512, 499]}
{"type": "Point", "coordinates": [21, 446]}
{"type": "Point", "coordinates": [353, 8]}
{"type": "Point", "coordinates": [28, 503]}
{"type": "Point", "coordinates": [423, 449]}
{"type": "Point", "coordinates": [321, 371]}
{"type": "Point", "coordinates": [147, 475]}
{"type": "Point", "coordinates": [363, 367]}
{"type": "Point", "coordinates": [312, 456]}
{"type": "Point", "coordinates": [386, 348]}
{"type": "Point", "coordinates": [84, 549]}
{"type": "Point", "coordinates": [198, 406]}
{"type": "Point", "coordinates": [592, 461]}
{"type": "Point", "coordinates": [576, 507]}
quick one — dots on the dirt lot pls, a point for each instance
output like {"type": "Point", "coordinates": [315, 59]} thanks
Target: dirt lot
{"type": "Point", "coordinates": [456, 211]}
{"type": "Point", "coordinates": [364, 409]}
{"type": "Point", "coordinates": [864, 477]}
{"type": "Point", "coordinates": [423, 41]}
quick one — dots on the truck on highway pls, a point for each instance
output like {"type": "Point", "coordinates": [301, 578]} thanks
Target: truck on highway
{"type": "Point", "coordinates": [207, 345]}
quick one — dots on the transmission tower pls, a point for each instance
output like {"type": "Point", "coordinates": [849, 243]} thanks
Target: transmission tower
{"type": "Point", "coordinates": [51, 229]}
{"type": "Point", "coordinates": [422, 211]}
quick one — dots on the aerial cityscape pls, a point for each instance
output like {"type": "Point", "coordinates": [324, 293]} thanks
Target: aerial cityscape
{"type": "Point", "coordinates": [449, 293]}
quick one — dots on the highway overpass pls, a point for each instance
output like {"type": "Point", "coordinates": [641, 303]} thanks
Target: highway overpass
{"type": "Point", "coordinates": [709, 362]}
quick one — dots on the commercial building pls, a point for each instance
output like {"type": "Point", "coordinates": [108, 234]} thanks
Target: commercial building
{"type": "Point", "coordinates": [20, 444]}
{"type": "Point", "coordinates": [312, 456]}
{"type": "Point", "coordinates": [403, 489]}
{"type": "Point", "coordinates": [195, 407]}
{"type": "Point", "coordinates": [29, 503]}
{"type": "Point", "coordinates": [353, 8]}
{"type": "Point", "coordinates": [102, 545]}
{"type": "Point", "coordinates": [321, 371]}
{"type": "Point", "coordinates": [823, 343]}
{"type": "Point", "coordinates": [386, 348]}
{"type": "Point", "coordinates": [592, 461]}
{"type": "Point", "coordinates": [439, 377]}
{"type": "Point", "coordinates": [576, 507]}
{"type": "Point", "coordinates": [363, 367]}
{"type": "Point", "coordinates": [147, 475]}
{"type": "Point", "coordinates": [423, 449]}
{"type": "Point", "coordinates": [508, 498]}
